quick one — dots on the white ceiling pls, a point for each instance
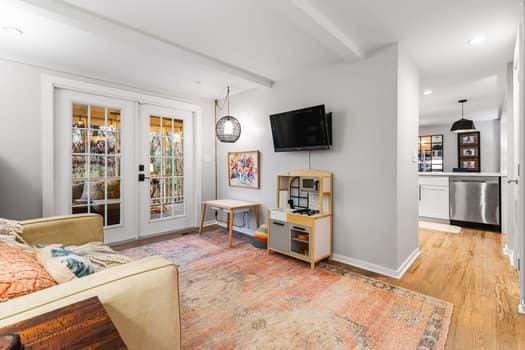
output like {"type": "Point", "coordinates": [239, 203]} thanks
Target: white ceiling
{"type": "Point", "coordinates": [197, 47]}
{"type": "Point", "coordinates": [436, 35]}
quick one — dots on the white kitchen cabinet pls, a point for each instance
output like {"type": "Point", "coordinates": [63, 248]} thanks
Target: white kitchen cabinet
{"type": "Point", "coordinates": [434, 197]}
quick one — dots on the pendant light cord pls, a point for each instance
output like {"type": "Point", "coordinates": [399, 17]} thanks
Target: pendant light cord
{"type": "Point", "coordinates": [228, 96]}
{"type": "Point", "coordinates": [462, 103]}
{"type": "Point", "coordinates": [225, 100]}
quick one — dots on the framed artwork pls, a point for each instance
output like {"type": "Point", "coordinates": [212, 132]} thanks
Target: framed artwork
{"type": "Point", "coordinates": [469, 164]}
{"type": "Point", "coordinates": [469, 151]}
{"type": "Point", "coordinates": [471, 138]}
{"type": "Point", "coordinates": [243, 169]}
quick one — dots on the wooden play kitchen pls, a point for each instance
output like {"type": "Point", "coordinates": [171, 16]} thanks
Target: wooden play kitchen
{"type": "Point", "coordinates": [300, 225]}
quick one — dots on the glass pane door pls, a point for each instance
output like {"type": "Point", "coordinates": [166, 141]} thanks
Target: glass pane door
{"type": "Point", "coordinates": [166, 197]}
{"type": "Point", "coordinates": [166, 167]}
{"type": "Point", "coordinates": [95, 144]}
{"type": "Point", "coordinates": [95, 162]}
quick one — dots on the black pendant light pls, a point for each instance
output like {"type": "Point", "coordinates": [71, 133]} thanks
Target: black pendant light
{"type": "Point", "coordinates": [462, 125]}
{"type": "Point", "coordinates": [228, 128]}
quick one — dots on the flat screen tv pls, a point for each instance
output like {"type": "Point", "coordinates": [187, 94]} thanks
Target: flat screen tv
{"type": "Point", "coordinates": [304, 129]}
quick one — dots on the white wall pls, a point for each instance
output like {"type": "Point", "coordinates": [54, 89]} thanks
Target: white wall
{"type": "Point", "coordinates": [407, 142]}
{"type": "Point", "coordinates": [364, 159]}
{"type": "Point", "coordinates": [490, 144]}
{"type": "Point", "coordinates": [20, 141]}
{"type": "Point", "coordinates": [20, 155]}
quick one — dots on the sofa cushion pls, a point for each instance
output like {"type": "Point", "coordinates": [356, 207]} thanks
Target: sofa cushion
{"type": "Point", "coordinates": [68, 230]}
{"type": "Point", "coordinates": [20, 273]}
{"type": "Point", "coordinates": [76, 191]}
{"type": "Point", "coordinates": [114, 189]}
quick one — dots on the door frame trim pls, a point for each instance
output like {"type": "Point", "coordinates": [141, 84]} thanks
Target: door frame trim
{"type": "Point", "coordinates": [49, 84]}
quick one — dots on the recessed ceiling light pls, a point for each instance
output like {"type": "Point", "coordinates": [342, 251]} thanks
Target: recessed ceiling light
{"type": "Point", "coordinates": [477, 40]}
{"type": "Point", "coordinates": [427, 92]}
{"type": "Point", "coordinates": [12, 30]}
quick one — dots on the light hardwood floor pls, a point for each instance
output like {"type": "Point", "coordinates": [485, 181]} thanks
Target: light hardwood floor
{"type": "Point", "coordinates": [468, 270]}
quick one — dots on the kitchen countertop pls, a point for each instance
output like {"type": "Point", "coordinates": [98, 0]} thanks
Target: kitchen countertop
{"type": "Point", "coordinates": [450, 173]}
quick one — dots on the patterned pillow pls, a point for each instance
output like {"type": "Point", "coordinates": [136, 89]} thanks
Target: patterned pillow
{"type": "Point", "coordinates": [62, 264]}
{"type": "Point", "coordinates": [20, 273]}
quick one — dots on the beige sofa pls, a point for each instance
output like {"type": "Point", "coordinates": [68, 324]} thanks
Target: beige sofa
{"type": "Point", "coordinates": [142, 297]}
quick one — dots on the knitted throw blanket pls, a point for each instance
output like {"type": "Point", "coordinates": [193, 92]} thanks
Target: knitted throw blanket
{"type": "Point", "coordinates": [100, 255]}
{"type": "Point", "coordinates": [11, 234]}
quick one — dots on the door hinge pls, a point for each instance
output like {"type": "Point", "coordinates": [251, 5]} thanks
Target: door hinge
{"type": "Point", "coordinates": [519, 263]}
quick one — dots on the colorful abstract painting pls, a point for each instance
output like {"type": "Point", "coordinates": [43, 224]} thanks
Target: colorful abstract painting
{"type": "Point", "coordinates": [243, 169]}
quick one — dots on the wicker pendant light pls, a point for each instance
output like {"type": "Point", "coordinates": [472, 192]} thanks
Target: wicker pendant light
{"type": "Point", "coordinates": [228, 128]}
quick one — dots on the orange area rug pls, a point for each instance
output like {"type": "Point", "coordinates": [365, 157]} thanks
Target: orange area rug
{"type": "Point", "coordinates": [245, 298]}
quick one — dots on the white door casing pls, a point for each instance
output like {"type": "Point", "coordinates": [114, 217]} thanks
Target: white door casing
{"type": "Point", "coordinates": [513, 147]}
{"type": "Point", "coordinates": [50, 180]}
{"type": "Point", "coordinates": [519, 95]}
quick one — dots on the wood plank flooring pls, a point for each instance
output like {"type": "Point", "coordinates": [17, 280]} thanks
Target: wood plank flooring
{"type": "Point", "coordinates": [470, 271]}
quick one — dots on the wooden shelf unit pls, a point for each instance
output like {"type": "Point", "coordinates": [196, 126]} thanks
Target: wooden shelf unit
{"type": "Point", "coordinates": [284, 225]}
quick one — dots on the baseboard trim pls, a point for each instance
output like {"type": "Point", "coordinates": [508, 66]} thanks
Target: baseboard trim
{"type": "Point", "coordinates": [435, 220]}
{"type": "Point", "coordinates": [365, 265]}
{"type": "Point", "coordinates": [408, 262]}
{"type": "Point", "coordinates": [210, 223]}
{"type": "Point", "coordinates": [521, 309]}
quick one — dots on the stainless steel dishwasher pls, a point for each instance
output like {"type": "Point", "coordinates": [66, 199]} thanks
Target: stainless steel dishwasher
{"type": "Point", "coordinates": [475, 199]}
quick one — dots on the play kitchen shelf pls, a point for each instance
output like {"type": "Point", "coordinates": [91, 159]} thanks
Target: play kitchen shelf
{"type": "Point", "coordinates": [300, 225]}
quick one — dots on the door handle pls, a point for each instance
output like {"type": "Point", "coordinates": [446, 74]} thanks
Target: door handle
{"type": "Point", "coordinates": [142, 177]}
{"type": "Point", "coordinates": [512, 181]}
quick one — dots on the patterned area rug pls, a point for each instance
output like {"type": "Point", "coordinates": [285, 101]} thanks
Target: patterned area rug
{"type": "Point", "coordinates": [245, 298]}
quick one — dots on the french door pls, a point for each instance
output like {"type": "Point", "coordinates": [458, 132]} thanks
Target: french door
{"type": "Point", "coordinates": [131, 163]}
{"type": "Point", "coordinates": [166, 170]}
{"type": "Point", "coordinates": [95, 162]}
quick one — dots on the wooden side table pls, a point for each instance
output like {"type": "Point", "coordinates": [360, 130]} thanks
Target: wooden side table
{"type": "Point", "coordinates": [82, 325]}
{"type": "Point", "coordinates": [230, 205]}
